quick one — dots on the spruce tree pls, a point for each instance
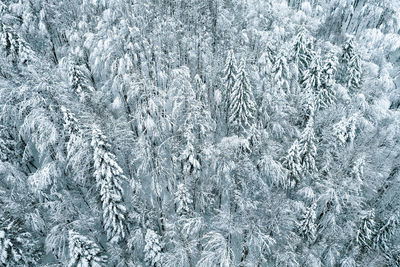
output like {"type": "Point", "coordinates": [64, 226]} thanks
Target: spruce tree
{"type": "Point", "coordinates": [242, 106]}
{"type": "Point", "coordinates": [109, 176]}
{"type": "Point", "coordinates": [311, 83]}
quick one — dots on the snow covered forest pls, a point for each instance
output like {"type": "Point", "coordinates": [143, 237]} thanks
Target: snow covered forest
{"type": "Point", "coordinates": [199, 133]}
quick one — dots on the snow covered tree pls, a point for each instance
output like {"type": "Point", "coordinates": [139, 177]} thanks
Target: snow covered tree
{"type": "Point", "coordinates": [348, 51]}
{"type": "Point", "coordinates": [292, 162]}
{"type": "Point", "coordinates": [308, 148]}
{"type": "Point", "coordinates": [350, 65]}
{"type": "Point", "coordinates": [306, 224]}
{"type": "Point", "coordinates": [14, 48]}
{"type": "Point", "coordinates": [345, 129]}
{"type": "Point", "coordinates": [84, 252]}
{"type": "Point", "coordinates": [79, 80]}
{"type": "Point", "coordinates": [217, 251]}
{"type": "Point", "coordinates": [17, 246]}
{"type": "Point", "coordinates": [281, 74]}
{"type": "Point", "coordinates": [303, 52]}
{"type": "Point", "coordinates": [242, 106]}
{"type": "Point", "coordinates": [366, 230]}
{"type": "Point", "coordinates": [183, 200]}
{"type": "Point", "coordinates": [229, 78]}
{"type": "Point", "coordinates": [10, 148]}
{"type": "Point", "coordinates": [355, 73]}
{"type": "Point", "coordinates": [326, 95]}
{"type": "Point", "coordinates": [312, 75]}
{"type": "Point", "coordinates": [385, 233]}
{"type": "Point", "coordinates": [153, 249]}
{"type": "Point", "coordinates": [109, 176]}
{"type": "Point", "coordinates": [70, 121]}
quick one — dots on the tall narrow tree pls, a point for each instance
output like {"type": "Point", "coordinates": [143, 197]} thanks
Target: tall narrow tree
{"type": "Point", "coordinates": [109, 176]}
{"type": "Point", "coordinates": [242, 106]}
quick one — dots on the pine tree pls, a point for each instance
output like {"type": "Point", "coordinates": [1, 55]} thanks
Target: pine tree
{"type": "Point", "coordinates": [152, 249]}
{"type": "Point", "coordinates": [242, 106]}
{"type": "Point", "coordinates": [109, 176]}
{"type": "Point", "coordinates": [366, 230]}
{"type": "Point", "coordinates": [306, 224]}
{"type": "Point", "coordinates": [229, 79]}
{"type": "Point", "coordinates": [308, 149]}
{"type": "Point", "coordinates": [292, 162]}
{"type": "Point", "coordinates": [83, 252]}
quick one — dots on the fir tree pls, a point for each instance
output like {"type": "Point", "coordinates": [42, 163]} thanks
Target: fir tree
{"type": "Point", "coordinates": [242, 106]}
{"type": "Point", "coordinates": [109, 176]}
{"type": "Point", "coordinates": [84, 252]}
